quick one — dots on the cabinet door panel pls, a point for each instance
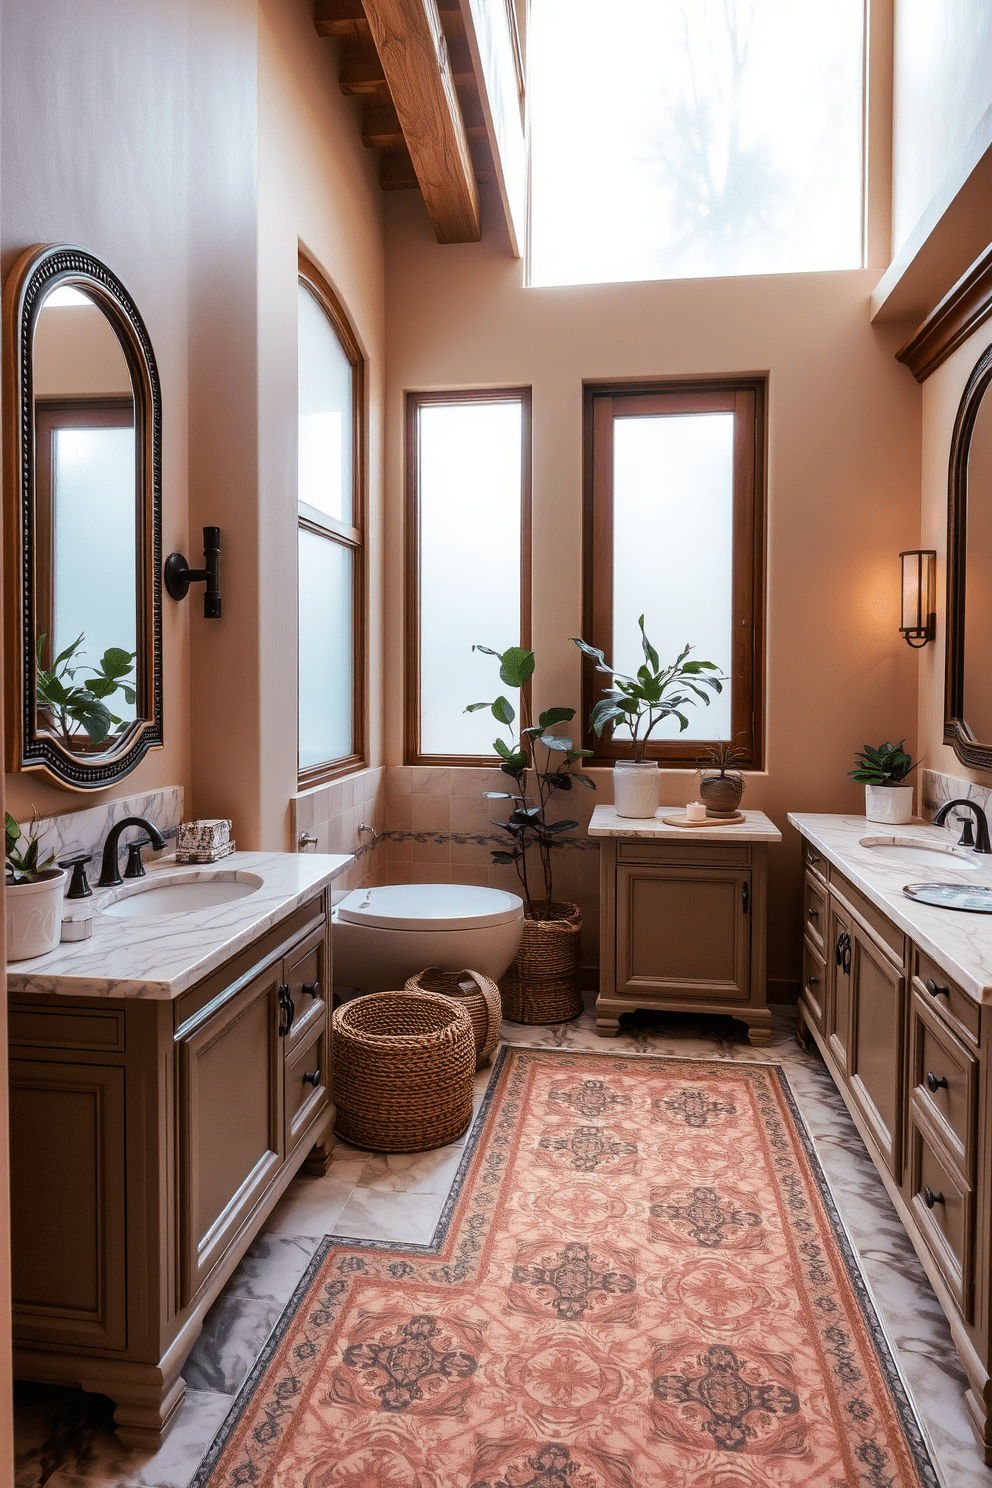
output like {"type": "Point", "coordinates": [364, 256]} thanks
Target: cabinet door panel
{"type": "Point", "coordinates": [230, 1120]}
{"type": "Point", "coordinates": [683, 932]}
{"type": "Point", "coordinates": [67, 1203]}
{"type": "Point", "coordinates": [875, 1058]}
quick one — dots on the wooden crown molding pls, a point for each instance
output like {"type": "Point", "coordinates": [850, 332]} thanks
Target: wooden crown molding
{"type": "Point", "coordinates": [962, 310]}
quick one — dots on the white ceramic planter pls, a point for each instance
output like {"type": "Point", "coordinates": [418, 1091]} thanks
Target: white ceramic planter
{"type": "Point", "coordinates": [889, 803]}
{"type": "Point", "coordinates": [636, 788]}
{"type": "Point", "coordinates": [34, 916]}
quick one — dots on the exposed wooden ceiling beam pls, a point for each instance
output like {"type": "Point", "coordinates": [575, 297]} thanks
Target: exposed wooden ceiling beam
{"type": "Point", "coordinates": [413, 52]}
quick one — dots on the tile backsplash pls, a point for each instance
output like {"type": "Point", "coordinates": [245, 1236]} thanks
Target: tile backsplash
{"type": "Point", "coordinates": [86, 831]}
{"type": "Point", "coordinates": [936, 788]}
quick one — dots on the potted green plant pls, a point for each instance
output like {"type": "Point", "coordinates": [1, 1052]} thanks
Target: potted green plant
{"type": "Point", "coordinates": [639, 704]}
{"type": "Point", "coordinates": [69, 706]}
{"type": "Point", "coordinates": [33, 896]}
{"type": "Point", "coordinates": [883, 771]}
{"type": "Point", "coordinates": [540, 985]}
{"type": "Point", "coordinates": [721, 792]}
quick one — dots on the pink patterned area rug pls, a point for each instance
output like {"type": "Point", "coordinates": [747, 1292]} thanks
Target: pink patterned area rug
{"type": "Point", "coordinates": [639, 1281]}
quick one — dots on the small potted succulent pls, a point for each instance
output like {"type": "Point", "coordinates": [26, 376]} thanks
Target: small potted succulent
{"type": "Point", "coordinates": [639, 704]}
{"type": "Point", "coordinates": [540, 985]}
{"type": "Point", "coordinates": [721, 792]}
{"type": "Point", "coordinates": [33, 896]}
{"type": "Point", "coordinates": [883, 771]}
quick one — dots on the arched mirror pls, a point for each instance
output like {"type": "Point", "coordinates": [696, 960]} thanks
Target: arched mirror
{"type": "Point", "coordinates": [82, 430]}
{"type": "Point", "coordinates": [968, 682]}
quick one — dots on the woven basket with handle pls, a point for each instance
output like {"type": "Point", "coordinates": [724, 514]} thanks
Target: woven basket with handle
{"type": "Point", "coordinates": [403, 1071]}
{"type": "Point", "coordinates": [479, 994]}
{"type": "Point", "coordinates": [541, 985]}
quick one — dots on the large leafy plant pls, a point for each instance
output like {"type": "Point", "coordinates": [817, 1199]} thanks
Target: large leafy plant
{"type": "Point", "coordinates": [82, 705]}
{"type": "Point", "coordinates": [22, 866]}
{"type": "Point", "coordinates": [640, 703]}
{"type": "Point", "coordinates": [527, 826]}
{"type": "Point", "coordinates": [889, 764]}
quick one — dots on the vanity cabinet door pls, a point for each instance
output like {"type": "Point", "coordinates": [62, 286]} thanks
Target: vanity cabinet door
{"type": "Point", "coordinates": [839, 953]}
{"type": "Point", "coordinates": [230, 1069]}
{"type": "Point", "coordinates": [875, 1053]}
{"type": "Point", "coordinates": [683, 933]}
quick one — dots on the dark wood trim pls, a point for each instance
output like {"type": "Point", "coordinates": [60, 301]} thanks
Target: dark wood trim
{"type": "Point", "coordinates": [962, 310]}
{"type": "Point", "coordinates": [745, 397]}
{"type": "Point", "coordinates": [414, 402]}
{"type": "Point", "coordinates": [969, 750]}
{"type": "Point", "coordinates": [347, 534]}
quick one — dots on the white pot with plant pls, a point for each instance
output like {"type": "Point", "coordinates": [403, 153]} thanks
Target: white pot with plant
{"type": "Point", "coordinates": [33, 897]}
{"type": "Point", "coordinates": [883, 773]}
{"type": "Point", "coordinates": [639, 704]}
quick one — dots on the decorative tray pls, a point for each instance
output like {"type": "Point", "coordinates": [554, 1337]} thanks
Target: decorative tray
{"type": "Point", "coordinates": [711, 821]}
{"type": "Point", "coordinates": [971, 897]}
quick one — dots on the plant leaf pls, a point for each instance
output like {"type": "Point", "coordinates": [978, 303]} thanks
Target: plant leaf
{"type": "Point", "coordinates": [502, 710]}
{"type": "Point", "coordinates": [555, 715]}
{"type": "Point", "coordinates": [556, 742]}
{"type": "Point", "coordinates": [516, 665]}
{"type": "Point", "coordinates": [555, 828]}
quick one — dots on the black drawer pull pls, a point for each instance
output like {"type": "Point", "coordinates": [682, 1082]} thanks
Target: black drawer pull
{"type": "Point", "coordinates": [844, 952]}
{"type": "Point", "coordinates": [312, 989]}
{"type": "Point", "coordinates": [931, 1198]}
{"type": "Point", "coordinates": [934, 990]}
{"type": "Point", "coordinates": [287, 1006]}
{"type": "Point", "coordinates": [313, 1079]}
{"type": "Point", "coordinates": [812, 914]}
{"type": "Point", "coordinates": [745, 896]}
{"type": "Point", "coordinates": [811, 980]}
{"type": "Point", "coordinates": [934, 1084]}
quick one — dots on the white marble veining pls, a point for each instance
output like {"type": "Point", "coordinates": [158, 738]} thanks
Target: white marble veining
{"type": "Point", "coordinates": [161, 956]}
{"type": "Point", "coordinates": [606, 822]}
{"type": "Point", "coordinates": [936, 788]}
{"type": "Point", "coordinates": [959, 942]}
{"type": "Point", "coordinates": [86, 831]}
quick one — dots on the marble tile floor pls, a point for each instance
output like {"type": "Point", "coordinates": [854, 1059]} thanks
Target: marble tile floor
{"type": "Point", "coordinates": [64, 1439]}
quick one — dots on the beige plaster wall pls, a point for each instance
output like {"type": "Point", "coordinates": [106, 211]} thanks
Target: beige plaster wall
{"type": "Point", "coordinates": [941, 88]}
{"type": "Point", "coordinates": [843, 484]}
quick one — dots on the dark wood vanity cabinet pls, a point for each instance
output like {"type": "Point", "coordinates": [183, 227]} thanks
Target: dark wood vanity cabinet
{"type": "Point", "coordinates": [149, 1140]}
{"type": "Point", "coordinates": [906, 1049]}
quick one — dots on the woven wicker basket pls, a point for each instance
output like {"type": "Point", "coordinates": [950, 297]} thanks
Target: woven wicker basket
{"type": "Point", "coordinates": [403, 1071]}
{"type": "Point", "coordinates": [541, 985]}
{"type": "Point", "coordinates": [477, 993]}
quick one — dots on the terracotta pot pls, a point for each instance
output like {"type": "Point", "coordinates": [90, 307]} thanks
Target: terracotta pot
{"type": "Point", "coordinates": [721, 792]}
{"type": "Point", "coordinates": [541, 985]}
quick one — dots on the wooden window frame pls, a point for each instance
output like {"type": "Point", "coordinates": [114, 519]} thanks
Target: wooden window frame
{"type": "Point", "coordinates": [413, 755]}
{"type": "Point", "coordinates": [746, 398]}
{"type": "Point", "coordinates": [352, 536]}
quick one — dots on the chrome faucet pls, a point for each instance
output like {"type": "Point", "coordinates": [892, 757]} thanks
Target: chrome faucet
{"type": "Point", "coordinates": [983, 845]}
{"type": "Point", "coordinates": [110, 872]}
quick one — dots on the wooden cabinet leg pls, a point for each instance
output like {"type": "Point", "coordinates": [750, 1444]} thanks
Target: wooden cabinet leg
{"type": "Point", "coordinates": [145, 1413]}
{"type": "Point", "coordinates": [803, 1035]}
{"type": "Point", "coordinates": [318, 1159]}
{"type": "Point", "coordinates": [759, 1037]}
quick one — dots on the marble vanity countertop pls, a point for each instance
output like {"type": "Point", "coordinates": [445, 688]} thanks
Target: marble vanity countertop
{"type": "Point", "coordinates": [606, 823]}
{"type": "Point", "coordinates": [960, 942]}
{"type": "Point", "coordinates": [162, 955]}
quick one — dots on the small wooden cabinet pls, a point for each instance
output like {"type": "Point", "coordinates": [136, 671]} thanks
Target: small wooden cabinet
{"type": "Point", "coordinates": [906, 1048]}
{"type": "Point", "coordinates": [149, 1140]}
{"type": "Point", "coordinates": [682, 920]}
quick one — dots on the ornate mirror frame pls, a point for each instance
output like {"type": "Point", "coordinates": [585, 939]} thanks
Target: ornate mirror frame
{"type": "Point", "coordinates": [35, 273]}
{"type": "Point", "coordinates": [957, 733]}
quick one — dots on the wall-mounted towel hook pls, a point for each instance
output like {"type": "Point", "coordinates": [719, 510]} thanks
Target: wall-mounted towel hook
{"type": "Point", "coordinates": [179, 575]}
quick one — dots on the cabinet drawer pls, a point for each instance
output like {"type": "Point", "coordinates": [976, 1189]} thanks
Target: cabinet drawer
{"type": "Point", "coordinates": [67, 1028]}
{"type": "Point", "coordinates": [305, 974]}
{"type": "Point", "coordinates": [814, 862]}
{"type": "Point", "coordinates": [955, 1007]}
{"type": "Point", "coordinates": [706, 854]}
{"type": "Point", "coordinates": [815, 911]}
{"type": "Point", "coordinates": [814, 982]}
{"type": "Point", "coordinates": [306, 1095]}
{"type": "Point", "coordinates": [943, 1209]}
{"type": "Point", "coordinates": [944, 1078]}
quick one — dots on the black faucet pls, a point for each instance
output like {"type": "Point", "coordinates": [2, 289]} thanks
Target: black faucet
{"type": "Point", "coordinates": [110, 872]}
{"type": "Point", "coordinates": [983, 845]}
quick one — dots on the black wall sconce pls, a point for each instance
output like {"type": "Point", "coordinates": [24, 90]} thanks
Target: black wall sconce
{"type": "Point", "coordinates": [179, 575]}
{"type": "Point", "coordinates": [919, 596]}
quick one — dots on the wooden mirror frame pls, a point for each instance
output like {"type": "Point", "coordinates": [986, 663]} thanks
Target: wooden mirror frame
{"type": "Point", "coordinates": [969, 750]}
{"type": "Point", "coordinates": [36, 272]}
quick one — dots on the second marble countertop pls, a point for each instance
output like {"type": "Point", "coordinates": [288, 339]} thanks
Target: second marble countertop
{"type": "Point", "coordinates": [757, 827]}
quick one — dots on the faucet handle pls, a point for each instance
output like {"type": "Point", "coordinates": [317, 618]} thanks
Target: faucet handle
{"type": "Point", "coordinates": [967, 838]}
{"type": "Point", "coordinates": [78, 886]}
{"type": "Point", "coordinates": [135, 867]}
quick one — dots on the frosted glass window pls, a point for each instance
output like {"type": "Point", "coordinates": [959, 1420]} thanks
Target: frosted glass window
{"type": "Point", "coordinates": [326, 404]}
{"type": "Point", "coordinates": [326, 649]}
{"type": "Point", "coordinates": [675, 139]}
{"type": "Point", "coordinates": [93, 525]}
{"type": "Point", "coordinates": [673, 511]}
{"type": "Point", "coordinates": [469, 507]}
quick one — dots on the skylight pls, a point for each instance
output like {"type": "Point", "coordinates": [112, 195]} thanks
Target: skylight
{"type": "Point", "coordinates": [675, 139]}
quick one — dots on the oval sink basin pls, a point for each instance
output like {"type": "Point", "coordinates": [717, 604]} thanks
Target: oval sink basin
{"type": "Point", "coordinates": [922, 850]}
{"type": "Point", "coordinates": [181, 896]}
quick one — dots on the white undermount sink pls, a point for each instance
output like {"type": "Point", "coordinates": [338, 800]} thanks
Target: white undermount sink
{"type": "Point", "coordinates": [182, 894]}
{"type": "Point", "coordinates": [925, 851]}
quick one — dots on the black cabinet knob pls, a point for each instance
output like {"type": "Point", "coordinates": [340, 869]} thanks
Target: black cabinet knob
{"type": "Point", "coordinates": [812, 914]}
{"type": "Point", "coordinates": [934, 1083]}
{"type": "Point", "coordinates": [934, 990]}
{"type": "Point", "coordinates": [812, 980]}
{"type": "Point", "coordinates": [312, 989]}
{"type": "Point", "coordinates": [313, 1079]}
{"type": "Point", "coordinates": [930, 1198]}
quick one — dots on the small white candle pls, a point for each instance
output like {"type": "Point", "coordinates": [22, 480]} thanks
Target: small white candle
{"type": "Point", "coordinates": [695, 811]}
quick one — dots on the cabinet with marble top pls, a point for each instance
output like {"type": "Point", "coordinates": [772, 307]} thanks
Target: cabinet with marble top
{"type": "Point", "coordinates": [897, 996]}
{"type": "Point", "coordinates": [168, 1077]}
{"type": "Point", "coordinates": [682, 917]}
